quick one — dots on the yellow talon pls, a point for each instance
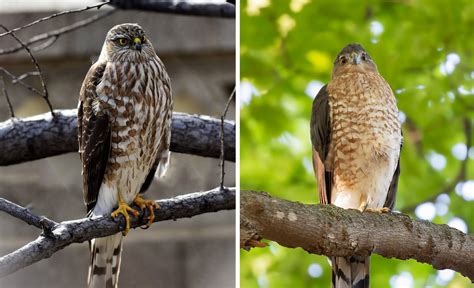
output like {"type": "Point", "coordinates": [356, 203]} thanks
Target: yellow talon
{"type": "Point", "coordinates": [123, 209]}
{"type": "Point", "coordinates": [150, 205]}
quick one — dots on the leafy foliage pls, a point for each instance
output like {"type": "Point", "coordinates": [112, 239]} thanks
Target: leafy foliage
{"type": "Point", "coordinates": [424, 49]}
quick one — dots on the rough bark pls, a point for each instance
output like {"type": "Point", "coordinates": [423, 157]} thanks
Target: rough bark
{"type": "Point", "coordinates": [42, 136]}
{"type": "Point", "coordinates": [57, 236]}
{"type": "Point", "coordinates": [332, 231]}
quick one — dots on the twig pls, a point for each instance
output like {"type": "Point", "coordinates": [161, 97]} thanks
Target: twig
{"type": "Point", "coordinates": [336, 232]}
{"type": "Point", "coordinates": [58, 32]}
{"type": "Point", "coordinates": [15, 80]}
{"type": "Point", "coordinates": [45, 44]}
{"type": "Point", "coordinates": [222, 159]}
{"type": "Point", "coordinates": [77, 231]}
{"type": "Point", "coordinates": [5, 93]}
{"type": "Point", "coordinates": [23, 213]}
{"type": "Point", "coordinates": [24, 76]}
{"type": "Point", "coordinates": [225, 10]}
{"type": "Point", "coordinates": [38, 69]}
{"type": "Point", "coordinates": [98, 6]}
{"type": "Point", "coordinates": [42, 136]}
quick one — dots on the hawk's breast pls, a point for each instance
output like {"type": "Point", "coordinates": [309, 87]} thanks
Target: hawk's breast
{"type": "Point", "coordinates": [365, 138]}
{"type": "Point", "coordinates": [138, 103]}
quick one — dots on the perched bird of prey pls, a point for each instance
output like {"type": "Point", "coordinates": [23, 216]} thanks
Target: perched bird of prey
{"type": "Point", "coordinates": [124, 120]}
{"type": "Point", "coordinates": [356, 137]}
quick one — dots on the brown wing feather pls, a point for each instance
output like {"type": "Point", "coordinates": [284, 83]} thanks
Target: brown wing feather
{"type": "Point", "coordinates": [392, 189]}
{"type": "Point", "coordinates": [150, 177]}
{"type": "Point", "coordinates": [94, 137]}
{"type": "Point", "coordinates": [320, 137]}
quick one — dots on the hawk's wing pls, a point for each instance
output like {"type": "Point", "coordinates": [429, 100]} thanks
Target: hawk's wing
{"type": "Point", "coordinates": [150, 177]}
{"type": "Point", "coordinates": [94, 136]}
{"type": "Point", "coordinates": [392, 189]}
{"type": "Point", "coordinates": [320, 137]}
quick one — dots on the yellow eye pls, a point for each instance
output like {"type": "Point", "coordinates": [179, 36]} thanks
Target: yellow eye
{"type": "Point", "coordinates": [123, 41]}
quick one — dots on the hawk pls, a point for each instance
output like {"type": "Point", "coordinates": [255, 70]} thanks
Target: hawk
{"type": "Point", "coordinates": [124, 119]}
{"type": "Point", "coordinates": [357, 138]}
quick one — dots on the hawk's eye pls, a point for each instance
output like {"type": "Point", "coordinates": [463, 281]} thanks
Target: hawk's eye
{"type": "Point", "coordinates": [343, 60]}
{"type": "Point", "coordinates": [365, 57]}
{"type": "Point", "coordinates": [122, 41]}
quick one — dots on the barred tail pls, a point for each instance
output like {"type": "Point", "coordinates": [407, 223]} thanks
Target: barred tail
{"type": "Point", "coordinates": [352, 272]}
{"type": "Point", "coordinates": [104, 267]}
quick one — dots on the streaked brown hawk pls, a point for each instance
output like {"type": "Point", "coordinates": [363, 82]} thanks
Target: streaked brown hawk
{"type": "Point", "coordinates": [356, 137]}
{"type": "Point", "coordinates": [124, 121]}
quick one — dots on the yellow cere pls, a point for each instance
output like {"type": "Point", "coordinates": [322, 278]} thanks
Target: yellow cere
{"type": "Point", "coordinates": [137, 40]}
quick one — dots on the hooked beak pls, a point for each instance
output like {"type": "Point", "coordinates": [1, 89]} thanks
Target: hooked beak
{"type": "Point", "coordinates": [137, 44]}
{"type": "Point", "coordinates": [355, 58]}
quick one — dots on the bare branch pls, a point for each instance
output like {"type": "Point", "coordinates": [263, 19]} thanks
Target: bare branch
{"type": "Point", "coordinates": [54, 16]}
{"type": "Point", "coordinates": [43, 136]}
{"type": "Point", "coordinates": [225, 10]}
{"type": "Point", "coordinates": [77, 231]}
{"type": "Point", "coordinates": [21, 213]}
{"type": "Point", "coordinates": [222, 155]}
{"type": "Point", "coordinates": [333, 231]}
{"type": "Point", "coordinates": [37, 67]}
{"type": "Point", "coordinates": [5, 93]}
{"type": "Point", "coordinates": [24, 76]}
{"type": "Point", "coordinates": [46, 43]}
{"type": "Point", "coordinates": [17, 80]}
{"type": "Point", "coordinates": [56, 33]}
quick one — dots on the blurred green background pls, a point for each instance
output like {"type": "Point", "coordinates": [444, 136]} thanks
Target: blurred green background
{"type": "Point", "coordinates": [424, 49]}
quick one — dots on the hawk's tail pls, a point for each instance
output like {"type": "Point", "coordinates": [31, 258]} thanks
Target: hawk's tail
{"type": "Point", "coordinates": [104, 267]}
{"type": "Point", "coordinates": [352, 272]}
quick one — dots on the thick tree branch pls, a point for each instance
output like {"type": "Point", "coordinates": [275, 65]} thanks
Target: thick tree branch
{"type": "Point", "coordinates": [43, 136]}
{"type": "Point", "coordinates": [77, 231]}
{"type": "Point", "coordinates": [332, 231]}
{"type": "Point", "coordinates": [225, 10]}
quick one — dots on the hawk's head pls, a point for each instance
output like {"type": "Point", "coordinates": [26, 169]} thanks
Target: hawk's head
{"type": "Point", "coordinates": [353, 58]}
{"type": "Point", "coordinates": [127, 42]}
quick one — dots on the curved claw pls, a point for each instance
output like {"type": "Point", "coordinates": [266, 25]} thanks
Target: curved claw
{"type": "Point", "coordinates": [150, 205]}
{"type": "Point", "coordinates": [124, 209]}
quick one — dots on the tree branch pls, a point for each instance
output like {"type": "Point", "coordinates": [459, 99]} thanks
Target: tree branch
{"type": "Point", "coordinates": [54, 34]}
{"type": "Point", "coordinates": [54, 16]}
{"type": "Point", "coordinates": [225, 10]}
{"type": "Point", "coordinates": [77, 231]}
{"type": "Point", "coordinates": [332, 231]}
{"type": "Point", "coordinates": [45, 94]}
{"type": "Point", "coordinates": [22, 213]}
{"type": "Point", "coordinates": [43, 136]}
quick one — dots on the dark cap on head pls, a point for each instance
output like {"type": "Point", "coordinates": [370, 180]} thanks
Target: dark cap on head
{"type": "Point", "coordinates": [352, 48]}
{"type": "Point", "coordinates": [129, 30]}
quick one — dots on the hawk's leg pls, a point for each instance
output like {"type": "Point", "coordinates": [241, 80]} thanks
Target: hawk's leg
{"type": "Point", "coordinates": [123, 209]}
{"type": "Point", "coordinates": [150, 205]}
